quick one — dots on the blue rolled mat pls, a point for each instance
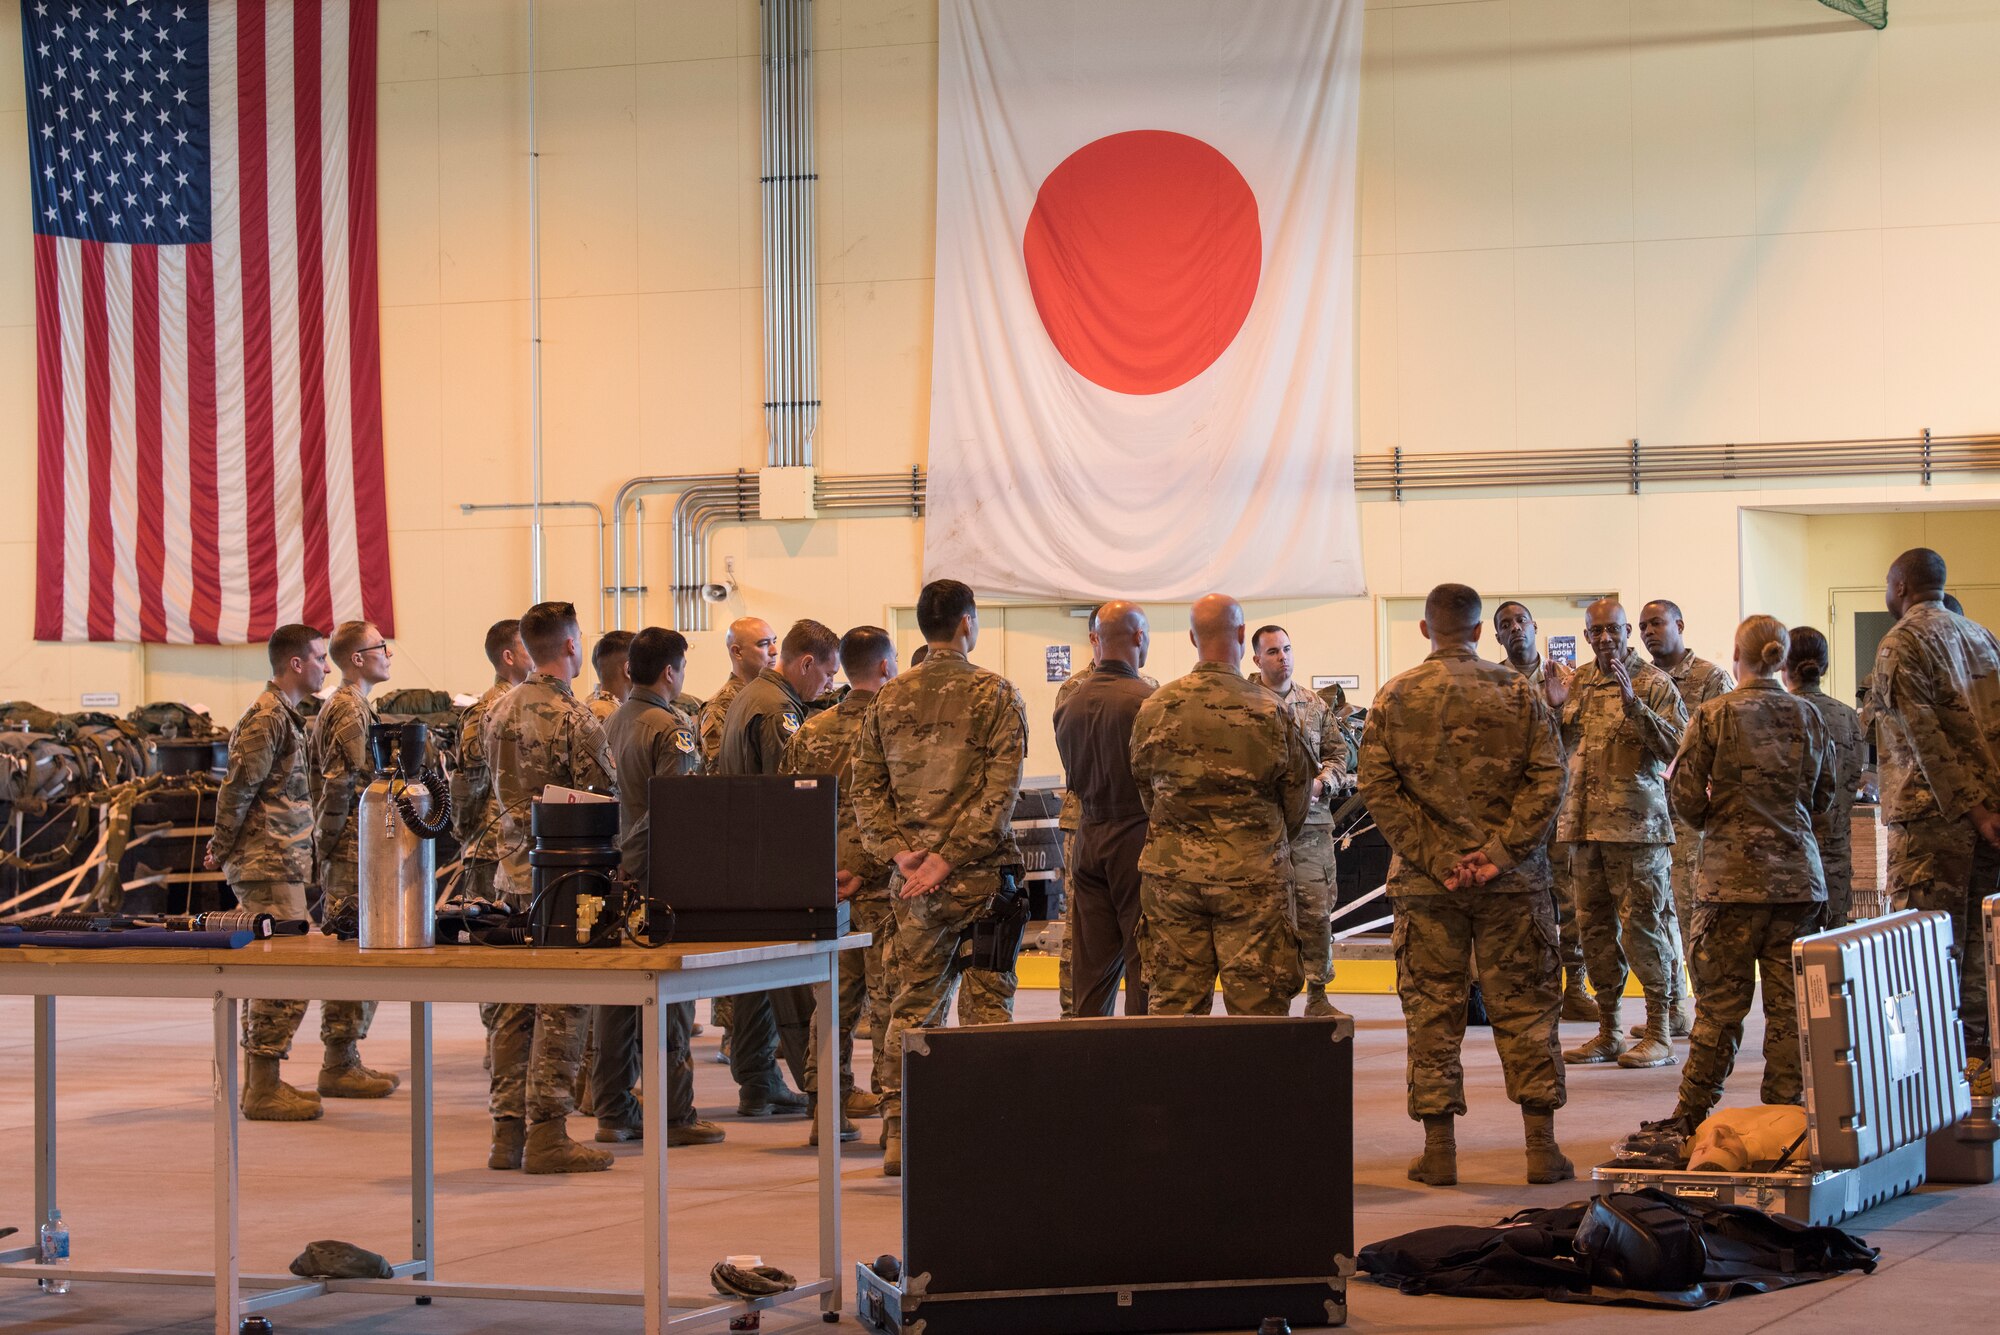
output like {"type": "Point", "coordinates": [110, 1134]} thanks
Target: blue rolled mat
{"type": "Point", "coordinates": [141, 936]}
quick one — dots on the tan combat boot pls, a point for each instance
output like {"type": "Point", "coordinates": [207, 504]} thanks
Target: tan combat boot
{"type": "Point", "coordinates": [342, 1076]}
{"type": "Point", "coordinates": [1316, 1001]}
{"type": "Point", "coordinates": [510, 1138]}
{"type": "Point", "coordinates": [1607, 1046]}
{"type": "Point", "coordinates": [694, 1132]}
{"type": "Point", "coordinates": [1577, 1004]}
{"type": "Point", "coordinates": [266, 1098]}
{"type": "Point", "coordinates": [550, 1150]}
{"type": "Point", "coordinates": [892, 1146]}
{"type": "Point", "coordinates": [1546, 1162]}
{"type": "Point", "coordinates": [860, 1103]}
{"type": "Point", "coordinates": [1655, 1049]}
{"type": "Point", "coordinates": [1680, 1019]}
{"type": "Point", "coordinates": [1437, 1166]}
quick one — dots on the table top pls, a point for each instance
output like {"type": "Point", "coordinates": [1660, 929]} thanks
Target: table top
{"type": "Point", "coordinates": [316, 951]}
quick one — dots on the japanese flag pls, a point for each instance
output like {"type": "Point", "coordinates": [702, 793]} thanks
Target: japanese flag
{"type": "Point", "coordinates": [1143, 378]}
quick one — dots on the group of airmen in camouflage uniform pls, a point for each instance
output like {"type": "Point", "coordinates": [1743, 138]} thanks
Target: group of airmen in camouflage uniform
{"type": "Point", "coordinates": [1548, 824]}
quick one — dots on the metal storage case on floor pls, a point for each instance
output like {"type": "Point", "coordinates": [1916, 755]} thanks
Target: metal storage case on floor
{"type": "Point", "coordinates": [1884, 1069]}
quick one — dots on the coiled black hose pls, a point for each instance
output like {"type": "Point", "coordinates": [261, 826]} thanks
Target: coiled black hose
{"type": "Point", "coordinates": [439, 819]}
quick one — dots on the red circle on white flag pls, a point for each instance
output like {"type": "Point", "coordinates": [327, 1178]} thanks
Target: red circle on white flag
{"type": "Point", "coordinates": [1143, 254]}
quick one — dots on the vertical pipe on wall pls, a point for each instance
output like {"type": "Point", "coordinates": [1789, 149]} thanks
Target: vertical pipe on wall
{"type": "Point", "coordinates": [791, 301]}
{"type": "Point", "coordinates": [536, 535]}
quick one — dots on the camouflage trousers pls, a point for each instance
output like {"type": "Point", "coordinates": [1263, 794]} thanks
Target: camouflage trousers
{"type": "Point", "coordinates": [864, 985]}
{"type": "Point", "coordinates": [1944, 865]}
{"type": "Point", "coordinates": [618, 1062]}
{"type": "Point", "coordinates": [268, 1026]}
{"type": "Point", "coordinates": [1735, 946]}
{"type": "Point", "coordinates": [1569, 936]}
{"type": "Point", "coordinates": [1836, 856]}
{"type": "Point", "coordinates": [1065, 963]}
{"type": "Point", "coordinates": [986, 997]}
{"type": "Point", "coordinates": [927, 932]}
{"type": "Point", "coordinates": [1624, 903]}
{"type": "Point", "coordinates": [536, 1053]}
{"type": "Point", "coordinates": [1511, 940]}
{"type": "Point", "coordinates": [1312, 901]}
{"type": "Point", "coordinates": [1239, 935]}
{"type": "Point", "coordinates": [1686, 869]}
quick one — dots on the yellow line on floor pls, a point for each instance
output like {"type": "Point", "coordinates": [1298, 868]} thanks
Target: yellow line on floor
{"type": "Point", "coordinates": [1355, 977]}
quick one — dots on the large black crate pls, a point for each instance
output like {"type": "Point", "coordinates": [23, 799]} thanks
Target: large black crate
{"type": "Point", "coordinates": [1177, 1186]}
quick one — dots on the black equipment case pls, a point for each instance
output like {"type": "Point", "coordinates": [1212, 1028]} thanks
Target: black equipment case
{"type": "Point", "coordinates": [745, 857]}
{"type": "Point", "coordinates": [1178, 1186]}
{"type": "Point", "coordinates": [1884, 1069]}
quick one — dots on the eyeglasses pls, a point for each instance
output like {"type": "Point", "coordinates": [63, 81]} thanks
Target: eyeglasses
{"type": "Point", "coordinates": [371, 648]}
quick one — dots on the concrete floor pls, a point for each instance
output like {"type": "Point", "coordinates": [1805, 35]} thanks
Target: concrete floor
{"type": "Point", "coordinates": [135, 1154]}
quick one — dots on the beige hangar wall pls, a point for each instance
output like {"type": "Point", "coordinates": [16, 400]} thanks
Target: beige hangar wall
{"type": "Point", "coordinates": [1581, 221]}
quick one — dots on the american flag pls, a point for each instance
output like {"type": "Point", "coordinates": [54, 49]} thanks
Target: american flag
{"type": "Point", "coordinates": [208, 357]}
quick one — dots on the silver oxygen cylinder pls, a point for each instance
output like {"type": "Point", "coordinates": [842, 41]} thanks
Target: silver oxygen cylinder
{"type": "Point", "coordinates": [397, 890]}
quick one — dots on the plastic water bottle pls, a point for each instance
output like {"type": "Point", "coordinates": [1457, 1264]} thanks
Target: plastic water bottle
{"type": "Point", "coordinates": [55, 1250]}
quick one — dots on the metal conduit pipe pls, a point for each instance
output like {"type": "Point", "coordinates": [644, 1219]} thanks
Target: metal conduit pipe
{"type": "Point", "coordinates": [625, 498]}
{"type": "Point", "coordinates": [700, 511]}
{"type": "Point", "coordinates": [1634, 464]}
{"type": "Point", "coordinates": [468, 508]}
{"type": "Point", "coordinates": [791, 297]}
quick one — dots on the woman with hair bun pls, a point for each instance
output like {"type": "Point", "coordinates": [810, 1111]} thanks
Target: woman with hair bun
{"type": "Point", "coordinates": [1805, 665]}
{"type": "Point", "coordinates": [1755, 768]}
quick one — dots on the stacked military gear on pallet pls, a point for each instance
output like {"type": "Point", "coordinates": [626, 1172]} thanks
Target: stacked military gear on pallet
{"type": "Point", "coordinates": [1884, 1060]}
{"type": "Point", "coordinates": [1036, 813]}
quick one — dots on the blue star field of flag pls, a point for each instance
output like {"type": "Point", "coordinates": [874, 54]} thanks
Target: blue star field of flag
{"type": "Point", "coordinates": [118, 119]}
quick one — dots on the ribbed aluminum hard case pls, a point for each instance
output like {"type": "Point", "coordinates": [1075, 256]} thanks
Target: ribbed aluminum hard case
{"type": "Point", "coordinates": [1884, 1068]}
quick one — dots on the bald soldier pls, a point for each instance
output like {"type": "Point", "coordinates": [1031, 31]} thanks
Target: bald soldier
{"type": "Point", "coordinates": [1093, 726]}
{"type": "Point", "coordinates": [1461, 770]}
{"type": "Point", "coordinates": [753, 647]}
{"type": "Point", "coordinates": [1226, 777]}
{"type": "Point", "coordinates": [1621, 721]}
{"type": "Point", "coordinates": [1514, 626]}
{"type": "Point", "coordinates": [1312, 849]}
{"type": "Point", "coordinates": [1664, 630]}
{"type": "Point", "coordinates": [1935, 697]}
{"type": "Point", "coordinates": [937, 770]}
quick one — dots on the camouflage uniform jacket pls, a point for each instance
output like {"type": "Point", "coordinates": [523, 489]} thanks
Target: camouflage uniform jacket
{"type": "Point", "coordinates": [1225, 776]}
{"type": "Point", "coordinates": [1834, 828]}
{"type": "Point", "coordinates": [825, 745]}
{"type": "Point", "coordinates": [263, 814]}
{"type": "Point", "coordinates": [536, 735]}
{"type": "Point", "coordinates": [712, 715]}
{"type": "Point", "coordinates": [473, 810]}
{"type": "Point", "coordinates": [1935, 695]}
{"type": "Point", "coordinates": [1618, 756]}
{"type": "Point", "coordinates": [338, 768]}
{"type": "Point", "coordinates": [602, 703]}
{"type": "Point", "coordinates": [1698, 680]}
{"type": "Point", "coordinates": [938, 764]}
{"type": "Point", "coordinates": [763, 719]}
{"type": "Point", "coordinates": [1460, 756]}
{"type": "Point", "coordinates": [1328, 747]}
{"type": "Point", "coordinates": [1755, 770]}
{"type": "Point", "coordinates": [647, 738]}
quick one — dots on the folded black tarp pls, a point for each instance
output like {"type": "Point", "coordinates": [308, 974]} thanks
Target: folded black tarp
{"type": "Point", "coordinates": [1617, 1248]}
